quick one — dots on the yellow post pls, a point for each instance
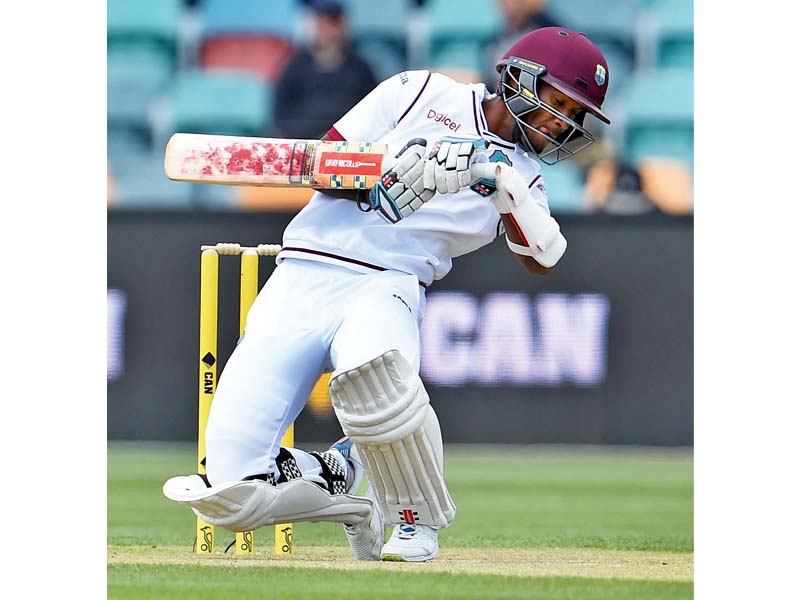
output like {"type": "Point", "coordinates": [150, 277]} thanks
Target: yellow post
{"type": "Point", "coordinates": [284, 533]}
{"type": "Point", "coordinates": [209, 282]}
{"type": "Point", "coordinates": [248, 290]}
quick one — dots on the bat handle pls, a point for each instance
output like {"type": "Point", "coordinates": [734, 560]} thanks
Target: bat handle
{"type": "Point", "coordinates": [485, 170]}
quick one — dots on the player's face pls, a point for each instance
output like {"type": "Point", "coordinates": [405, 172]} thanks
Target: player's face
{"type": "Point", "coordinates": [548, 123]}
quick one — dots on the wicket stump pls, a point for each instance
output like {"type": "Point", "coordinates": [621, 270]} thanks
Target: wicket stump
{"type": "Point", "coordinates": [209, 293]}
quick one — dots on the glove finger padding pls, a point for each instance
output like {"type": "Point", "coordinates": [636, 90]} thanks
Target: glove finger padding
{"type": "Point", "coordinates": [452, 182]}
{"type": "Point", "coordinates": [415, 172]}
{"type": "Point", "coordinates": [401, 190]}
{"type": "Point", "coordinates": [409, 158]}
{"type": "Point", "coordinates": [452, 159]}
{"type": "Point", "coordinates": [415, 201]}
{"type": "Point", "coordinates": [429, 176]}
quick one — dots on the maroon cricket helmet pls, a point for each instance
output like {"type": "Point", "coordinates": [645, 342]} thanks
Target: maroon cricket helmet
{"type": "Point", "coordinates": [571, 63]}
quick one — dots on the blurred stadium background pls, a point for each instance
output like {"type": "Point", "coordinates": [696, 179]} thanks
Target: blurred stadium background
{"type": "Point", "coordinates": [605, 341]}
{"type": "Point", "coordinates": [603, 347]}
{"type": "Point", "coordinates": [213, 66]}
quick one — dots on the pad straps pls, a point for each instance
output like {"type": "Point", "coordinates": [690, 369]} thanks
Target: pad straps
{"type": "Point", "coordinates": [332, 472]}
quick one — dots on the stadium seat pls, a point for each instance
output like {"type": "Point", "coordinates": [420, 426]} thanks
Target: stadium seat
{"type": "Point", "coordinates": [385, 19]}
{"type": "Point", "coordinates": [385, 58]}
{"type": "Point", "coordinates": [142, 48]}
{"type": "Point", "coordinates": [264, 56]}
{"type": "Point", "coordinates": [249, 36]}
{"type": "Point", "coordinates": [140, 182]}
{"type": "Point", "coordinates": [122, 142]}
{"type": "Point", "coordinates": [674, 34]}
{"type": "Point", "coordinates": [135, 78]}
{"type": "Point", "coordinates": [598, 19]}
{"type": "Point", "coordinates": [143, 21]}
{"type": "Point", "coordinates": [564, 184]}
{"type": "Point", "coordinates": [458, 31]}
{"type": "Point", "coordinates": [457, 55]}
{"type": "Point", "coordinates": [466, 20]}
{"type": "Point", "coordinates": [620, 67]}
{"type": "Point", "coordinates": [661, 141]}
{"type": "Point", "coordinates": [609, 25]}
{"type": "Point", "coordinates": [255, 17]}
{"type": "Point", "coordinates": [378, 30]}
{"type": "Point", "coordinates": [659, 116]}
{"type": "Point", "coordinates": [217, 103]}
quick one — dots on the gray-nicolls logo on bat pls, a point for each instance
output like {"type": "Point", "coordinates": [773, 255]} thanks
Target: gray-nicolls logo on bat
{"type": "Point", "coordinates": [346, 162]}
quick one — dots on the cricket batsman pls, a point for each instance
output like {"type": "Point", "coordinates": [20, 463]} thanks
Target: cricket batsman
{"type": "Point", "coordinates": [348, 295]}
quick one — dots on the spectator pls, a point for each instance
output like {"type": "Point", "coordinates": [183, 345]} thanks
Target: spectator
{"type": "Point", "coordinates": [615, 187]}
{"type": "Point", "coordinates": [519, 17]}
{"type": "Point", "coordinates": [654, 185]}
{"type": "Point", "coordinates": [324, 80]}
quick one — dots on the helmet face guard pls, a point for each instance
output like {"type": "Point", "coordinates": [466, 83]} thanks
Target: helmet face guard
{"type": "Point", "coordinates": [519, 88]}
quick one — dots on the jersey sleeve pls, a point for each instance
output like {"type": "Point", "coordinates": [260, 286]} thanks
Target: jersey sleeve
{"type": "Point", "coordinates": [382, 109]}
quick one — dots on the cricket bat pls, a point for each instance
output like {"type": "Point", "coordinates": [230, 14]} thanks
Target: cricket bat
{"type": "Point", "coordinates": [234, 160]}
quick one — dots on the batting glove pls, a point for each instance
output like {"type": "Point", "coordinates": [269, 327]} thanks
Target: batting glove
{"type": "Point", "coordinates": [401, 189]}
{"type": "Point", "coordinates": [448, 169]}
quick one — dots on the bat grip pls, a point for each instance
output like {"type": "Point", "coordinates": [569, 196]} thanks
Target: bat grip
{"type": "Point", "coordinates": [485, 170]}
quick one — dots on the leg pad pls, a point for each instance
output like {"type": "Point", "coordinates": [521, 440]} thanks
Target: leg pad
{"type": "Point", "coordinates": [383, 407]}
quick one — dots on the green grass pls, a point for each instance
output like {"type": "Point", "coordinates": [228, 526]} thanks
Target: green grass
{"type": "Point", "coordinates": [140, 582]}
{"type": "Point", "coordinates": [603, 502]}
{"type": "Point", "coordinates": [518, 497]}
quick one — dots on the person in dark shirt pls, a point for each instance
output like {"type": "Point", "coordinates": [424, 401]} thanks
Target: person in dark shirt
{"type": "Point", "coordinates": [518, 18]}
{"type": "Point", "coordinates": [324, 79]}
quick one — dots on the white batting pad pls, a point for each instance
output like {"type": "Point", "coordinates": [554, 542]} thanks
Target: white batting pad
{"type": "Point", "coordinates": [247, 505]}
{"type": "Point", "coordinates": [383, 407]}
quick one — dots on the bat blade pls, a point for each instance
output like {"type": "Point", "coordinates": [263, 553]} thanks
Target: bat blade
{"type": "Point", "coordinates": [233, 160]}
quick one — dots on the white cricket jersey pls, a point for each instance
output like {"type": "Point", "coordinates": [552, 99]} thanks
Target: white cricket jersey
{"type": "Point", "coordinates": [412, 104]}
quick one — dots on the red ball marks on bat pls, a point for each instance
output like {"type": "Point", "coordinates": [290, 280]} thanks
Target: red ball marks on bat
{"type": "Point", "coordinates": [209, 162]}
{"type": "Point", "coordinates": [244, 160]}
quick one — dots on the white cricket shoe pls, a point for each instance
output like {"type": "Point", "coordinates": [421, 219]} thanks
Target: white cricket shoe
{"type": "Point", "coordinates": [411, 543]}
{"type": "Point", "coordinates": [366, 538]}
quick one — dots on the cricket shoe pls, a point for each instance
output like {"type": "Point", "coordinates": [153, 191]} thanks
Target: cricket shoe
{"type": "Point", "coordinates": [366, 538]}
{"type": "Point", "coordinates": [411, 543]}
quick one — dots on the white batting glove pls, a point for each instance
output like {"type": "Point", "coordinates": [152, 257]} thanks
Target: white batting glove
{"type": "Point", "coordinates": [401, 189]}
{"type": "Point", "coordinates": [448, 168]}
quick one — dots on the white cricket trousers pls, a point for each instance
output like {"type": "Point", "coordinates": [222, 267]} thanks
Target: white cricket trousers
{"type": "Point", "coordinates": [310, 318]}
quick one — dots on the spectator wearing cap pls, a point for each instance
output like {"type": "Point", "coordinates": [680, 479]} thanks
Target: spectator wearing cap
{"type": "Point", "coordinates": [324, 79]}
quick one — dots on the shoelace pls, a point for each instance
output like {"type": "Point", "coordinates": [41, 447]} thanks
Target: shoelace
{"type": "Point", "coordinates": [407, 532]}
